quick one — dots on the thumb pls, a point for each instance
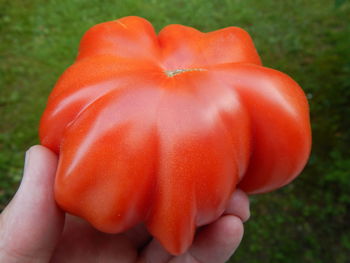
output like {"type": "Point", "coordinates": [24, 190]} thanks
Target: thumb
{"type": "Point", "coordinates": [31, 224]}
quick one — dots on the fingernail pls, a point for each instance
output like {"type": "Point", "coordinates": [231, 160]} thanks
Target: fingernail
{"type": "Point", "coordinates": [26, 160]}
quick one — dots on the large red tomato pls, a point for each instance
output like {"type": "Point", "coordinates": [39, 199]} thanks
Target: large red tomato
{"type": "Point", "coordinates": [162, 128]}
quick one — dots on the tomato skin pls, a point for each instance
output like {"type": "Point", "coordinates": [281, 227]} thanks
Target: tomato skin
{"type": "Point", "coordinates": [161, 129]}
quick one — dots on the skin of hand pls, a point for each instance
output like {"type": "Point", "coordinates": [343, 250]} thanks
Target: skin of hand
{"type": "Point", "coordinates": [34, 229]}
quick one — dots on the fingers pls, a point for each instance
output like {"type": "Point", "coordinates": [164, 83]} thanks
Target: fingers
{"type": "Point", "coordinates": [32, 223]}
{"type": "Point", "coordinates": [138, 235]}
{"type": "Point", "coordinates": [155, 253]}
{"type": "Point", "coordinates": [215, 243]}
{"type": "Point", "coordinates": [238, 205]}
{"type": "Point", "coordinates": [219, 240]}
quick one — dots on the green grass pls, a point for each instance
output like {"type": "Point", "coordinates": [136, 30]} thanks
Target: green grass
{"type": "Point", "coordinates": [308, 221]}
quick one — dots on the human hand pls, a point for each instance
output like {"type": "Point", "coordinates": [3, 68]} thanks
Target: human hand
{"type": "Point", "coordinates": [34, 229]}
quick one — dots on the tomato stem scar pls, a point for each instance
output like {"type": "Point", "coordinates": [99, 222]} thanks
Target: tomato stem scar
{"type": "Point", "coordinates": [172, 73]}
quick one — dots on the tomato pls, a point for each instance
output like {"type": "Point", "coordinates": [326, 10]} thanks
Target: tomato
{"type": "Point", "coordinates": [161, 129]}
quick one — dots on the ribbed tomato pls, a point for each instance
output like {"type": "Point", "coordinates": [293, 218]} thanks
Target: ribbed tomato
{"type": "Point", "coordinates": [162, 128]}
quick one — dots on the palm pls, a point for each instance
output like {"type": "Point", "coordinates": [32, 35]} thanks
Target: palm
{"type": "Point", "coordinates": [82, 243]}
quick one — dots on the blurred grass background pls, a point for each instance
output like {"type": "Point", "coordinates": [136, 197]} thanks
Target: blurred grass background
{"type": "Point", "coordinates": [307, 221]}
